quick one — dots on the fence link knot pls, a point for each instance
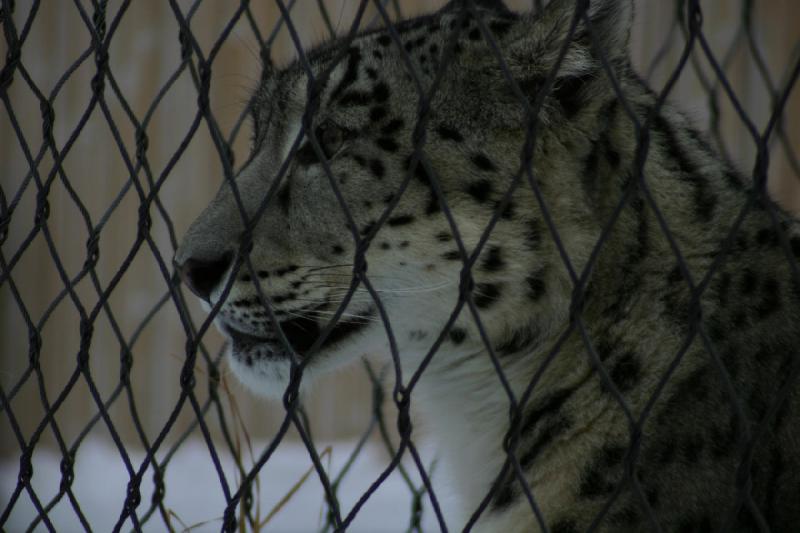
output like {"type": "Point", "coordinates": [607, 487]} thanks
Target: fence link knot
{"type": "Point", "coordinates": [67, 472]}
{"type": "Point", "coordinates": [133, 497]}
{"type": "Point", "coordinates": [25, 466]}
{"type": "Point", "coordinates": [92, 250]}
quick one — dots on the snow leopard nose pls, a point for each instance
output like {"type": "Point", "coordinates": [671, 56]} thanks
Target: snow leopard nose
{"type": "Point", "coordinates": [202, 275]}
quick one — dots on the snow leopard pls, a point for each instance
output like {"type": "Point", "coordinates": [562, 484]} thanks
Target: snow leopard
{"type": "Point", "coordinates": [594, 312]}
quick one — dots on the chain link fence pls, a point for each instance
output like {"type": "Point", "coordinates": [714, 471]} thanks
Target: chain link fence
{"type": "Point", "coordinates": [55, 267]}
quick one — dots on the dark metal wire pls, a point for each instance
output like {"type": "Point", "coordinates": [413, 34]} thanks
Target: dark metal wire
{"type": "Point", "coordinates": [101, 26]}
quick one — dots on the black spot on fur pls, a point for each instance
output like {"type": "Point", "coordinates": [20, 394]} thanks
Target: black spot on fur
{"type": "Point", "coordinates": [675, 275]}
{"type": "Point", "coordinates": [504, 493]}
{"type": "Point", "coordinates": [767, 237]}
{"type": "Point", "coordinates": [306, 156]}
{"type": "Point", "coordinates": [565, 526]}
{"type": "Point", "coordinates": [263, 274]}
{"type": "Point", "coordinates": [493, 260]}
{"type": "Point", "coordinates": [380, 92]}
{"type": "Point", "coordinates": [400, 220]}
{"type": "Point", "coordinates": [595, 482]}
{"type": "Point", "coordinates": [749, 281]}
{"type": "Point", "coordinates": [692, 448]}
{"type": "Point", "coordinates": [595, 485]}
{"type": "Point", "coordinates": [387, 144]}
{"type": "Point", "coordinates": [417, 335]}
{"type": "Point", "coordinates": [604, 348]}
{"type": "Point", "coordinates": [486, 294]}
{"type": "Point", "coordinates": [612, 155]}
{"type": "Point", "coordinates": [500, 27]}
{"type": "Point", "coordinates": [705, 203]}
{"type": "Point", "coordinates": [286, 270]}
{"type": "Point", "coordinates": [449, 134]}
{"type": "Point", "coordinates": [337, 250]}
{"type": "Point", "coordinates": [433, 206]}
{"type": "Point", "coordinates": [354, 99]}
{"type": "Point", "coordinates": [392, 127]}
{"type": "Point", "coordinates": [740, 320]}
{"type": "Point", "coordinates": [536, 287]}
{"type": "Point", "coordinates": [590, 171]}
{"type": "Point", "coordinates": [483, 163]}
{"type": "Point", "coordinates": [422, 176]}
{"type": "Point", "coordinates": [508, 211]}
{"type": "Point", "coordinates": [378, 113]}
{"type": "Point", "coordinates": [652, 495]}
{"type": "Point", "coordinates": [549, 430]}
{"type": "Point", "coordinates": [377, 168]}
{"type": "Point", "coordinates": [626, 372]}
{"type": "Point", "coordinates": [384, 40]}
{"type": "Point", "coordinates": [457, 335]}
{"type": "Point", "coordinates": [480, 190]}
{"type": "Point", "coordinates": [452, 255]}
{"type": "Point", "coordinates": [548, 406]}
{"type": "Point", "coordinates": [770, 298]}
{"type": "Point", "coordinates": [795, 244]}
{"type": "Point", "coordinates": [444, 236]}
{"type": "Point", "coordinates": [533, 234]}
{"type": "Point", "coordinates": [474, 35]}
{"type": "Point", "coordinates": [385, 246]}
{"type": "Point", "coordinates": [280, 298]}
{"type": "Point", "coordinates": [284, 197]}
{"type": "Point", "coordinates": [705, 200]}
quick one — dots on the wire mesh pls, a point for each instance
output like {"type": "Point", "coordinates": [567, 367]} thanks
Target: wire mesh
{"type": "Point", "coordinates": [145, 184]}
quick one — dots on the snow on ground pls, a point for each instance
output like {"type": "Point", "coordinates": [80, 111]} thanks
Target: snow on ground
{"type": "Point", "coordinates": [194, 493]}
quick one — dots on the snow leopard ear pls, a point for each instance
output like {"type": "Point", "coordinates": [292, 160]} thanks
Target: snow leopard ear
{"type": "Point", "coordinates": [609, 23]}
{"type": "Point", "coordinates": [536, 40]}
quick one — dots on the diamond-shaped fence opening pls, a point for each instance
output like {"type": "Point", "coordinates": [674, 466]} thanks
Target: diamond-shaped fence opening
{"type": "Point", "coordinates": [121, 119]}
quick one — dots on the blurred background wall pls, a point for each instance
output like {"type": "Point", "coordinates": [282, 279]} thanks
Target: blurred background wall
{"type": "Point", "coordinates": [144, 54]}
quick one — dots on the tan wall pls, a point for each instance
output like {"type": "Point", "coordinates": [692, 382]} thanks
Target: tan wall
{"type": "Point", "coordinates": [144, 53]}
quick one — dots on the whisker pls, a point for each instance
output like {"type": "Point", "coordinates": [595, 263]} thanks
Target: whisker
{"type": "Point", "coordinates": [352, 316]}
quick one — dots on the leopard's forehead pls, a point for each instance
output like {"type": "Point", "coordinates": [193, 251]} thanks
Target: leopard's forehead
{"type": "Point", "coordinates": [341, 62]}
{"type": "Point", "coordinates": [355, 80]}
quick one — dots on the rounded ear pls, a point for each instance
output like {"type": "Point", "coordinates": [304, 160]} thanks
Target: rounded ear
{"type": "Point", "coordinates": [609, 22]}
{"type": "Point", "coordinates": [536, 40]}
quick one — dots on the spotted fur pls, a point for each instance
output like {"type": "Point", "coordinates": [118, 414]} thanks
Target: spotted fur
{"type": "Point", "coordinates": [635, 329]}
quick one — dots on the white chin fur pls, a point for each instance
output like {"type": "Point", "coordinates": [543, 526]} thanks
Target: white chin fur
{"type": "Point", "coordinates": [265, 378]}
